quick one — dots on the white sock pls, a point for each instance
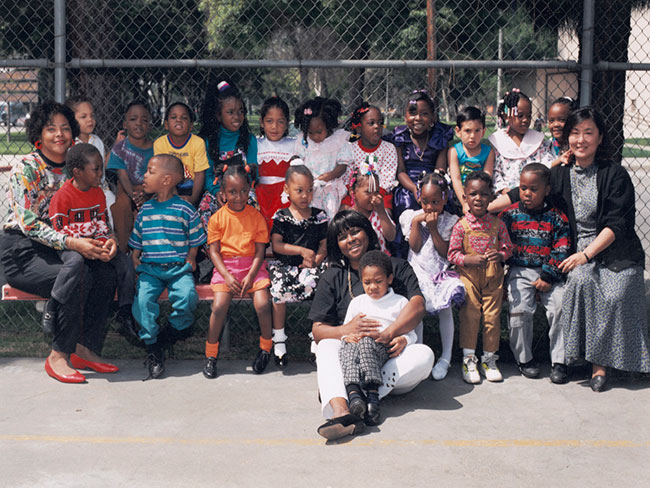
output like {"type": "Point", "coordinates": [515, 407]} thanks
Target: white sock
{"type": "Point", "coordinates": [279, 336]}
{"type": "Point", "coordinates": [446, 332]}
{"type": "Point", "coordinates": [468, 352]}
{"type": "Point", "coordinates": [487, 355]}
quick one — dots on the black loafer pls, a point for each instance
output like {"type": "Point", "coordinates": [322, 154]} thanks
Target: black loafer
{"type": "Point", "coordinates": [529, 369]}
{"type": "Point", "coordinates": [374, 412]}
{"type": "Point", "coordinates": [559, 374]}
{"type": "Point", "coordinates": [261, 361]}
{"type": "Point", "coordinates": [48, 321]}
{"type": "Point", "coordinates": [343, 426]}
{"type": "Point", "coordinates": [210, 368]}
{"type": "Point", "coordinates": [598, 383]}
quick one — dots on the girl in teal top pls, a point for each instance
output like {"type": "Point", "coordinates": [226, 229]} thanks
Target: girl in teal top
{"type": "Point", "coordinates": [228, 141]}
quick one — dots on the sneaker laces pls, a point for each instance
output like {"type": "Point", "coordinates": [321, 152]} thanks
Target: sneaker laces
{"type": "Point", "coordinates": [491, 361]}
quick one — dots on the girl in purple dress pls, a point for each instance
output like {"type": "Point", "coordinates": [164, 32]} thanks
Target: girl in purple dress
{"type": "Point", "coordinates": [421, 146]}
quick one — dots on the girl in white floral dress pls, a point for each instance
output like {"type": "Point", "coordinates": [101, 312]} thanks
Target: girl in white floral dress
{"type": "Point", "coordinates": [428, 231]}
{"type": "Point", "coordinates": [298, 239]}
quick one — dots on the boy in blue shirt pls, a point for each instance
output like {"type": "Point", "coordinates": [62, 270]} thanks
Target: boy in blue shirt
{"type": "Point", "coordinates": [165, 239]}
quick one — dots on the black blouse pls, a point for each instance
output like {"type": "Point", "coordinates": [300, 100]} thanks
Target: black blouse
{"type": "Point", "coordinates": [307, 233]}
{"type": "Point", "coordinates": [332, 297]}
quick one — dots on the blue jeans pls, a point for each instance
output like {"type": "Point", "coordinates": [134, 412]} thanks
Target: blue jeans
{"type": "Point", "coordinates": [152, 281]}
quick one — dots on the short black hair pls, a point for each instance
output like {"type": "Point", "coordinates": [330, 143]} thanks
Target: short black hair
{"type": "Point", "coordinates": [326, 109]}
{"type": "Point", "coordinates": [136, 103]}
{"type": "Point", "coordinates": [478, 175]}
{"type": "Point", "coordinates": [568, 101]}
{"type": "Point", "coordinates": [376, 258]}
{"type": "Point", "coordinates": [79, 156]}
{"type": "Point", "coordinates": [172, 164]}
{"type": "Point", "coordinates": [190, 112]}
{"type": "Point", "coordinates": [589, 113]}
{"type": "Point", "coordinates": [342, 222]}
{"type": "Point", "coordinates": [540, 170]}
{"type": "Point", "coordinates": [469, 113]}
{"type": "Point", "coordinates": [42, 115]}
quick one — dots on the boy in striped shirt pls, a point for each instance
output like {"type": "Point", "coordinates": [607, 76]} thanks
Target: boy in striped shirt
{"type": "Point", "coordinates": [540, 235]}
{"type": "Point", "coordinates": [165, 239]}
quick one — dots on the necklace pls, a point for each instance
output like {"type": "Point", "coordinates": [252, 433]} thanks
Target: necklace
{"type": "Point", "coordinates": [350, 284]}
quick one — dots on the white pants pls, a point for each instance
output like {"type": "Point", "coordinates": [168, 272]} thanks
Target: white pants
{"type": "Point", "coordinates": [400, 374]}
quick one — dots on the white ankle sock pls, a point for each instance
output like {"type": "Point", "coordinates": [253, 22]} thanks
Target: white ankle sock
{"type": "Point", "coordinates": [279, 336]}
{"type": "Point", "coordinates": [468, 352]}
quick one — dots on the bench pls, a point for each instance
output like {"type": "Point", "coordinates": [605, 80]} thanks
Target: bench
{"type": "Point", "coordinates": [205, 293]}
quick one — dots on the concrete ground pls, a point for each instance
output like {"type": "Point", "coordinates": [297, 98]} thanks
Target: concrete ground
{"type": "Point", "coordinates": [246, 430]}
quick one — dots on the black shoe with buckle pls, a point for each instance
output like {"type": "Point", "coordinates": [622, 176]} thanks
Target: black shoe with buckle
{"type": "Point", "coordinates": [48, 321]}
{"type": "Point", "coordinates": [559, 373]}
{"type": "Point", "coordinates": [210, 367]}
{"type": "Point", "coordinates": [155, 361]}
{"type": "Point", "coordinates": [261, 361]}
{"type": "Point", "coordinates": [529, 369]}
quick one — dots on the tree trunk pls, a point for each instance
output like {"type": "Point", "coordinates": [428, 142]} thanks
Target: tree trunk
{"type": "Point", "coordinates": [612, 33]}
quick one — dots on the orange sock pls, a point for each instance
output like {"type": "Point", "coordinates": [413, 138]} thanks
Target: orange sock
{"type": "Point", "coordinates": [211, 350]}
{"type": "Point", "coordinates": [266, 344]}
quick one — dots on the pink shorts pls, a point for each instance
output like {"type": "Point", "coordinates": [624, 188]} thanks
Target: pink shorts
{"type": "Point", "coordinates": [239, 267]}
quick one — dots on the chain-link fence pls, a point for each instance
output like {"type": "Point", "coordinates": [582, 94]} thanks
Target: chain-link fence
{"type": "Point", "coordinates": [465, 52]}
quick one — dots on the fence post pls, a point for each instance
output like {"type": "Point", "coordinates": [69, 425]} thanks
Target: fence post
{"type": "Point", "coordinates": [59, 50]}
{"type": "Point", "coordinates": [587, 61]}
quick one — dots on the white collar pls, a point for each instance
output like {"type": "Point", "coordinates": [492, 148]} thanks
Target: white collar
{"type": "Point", "coordinates": [508, 149]}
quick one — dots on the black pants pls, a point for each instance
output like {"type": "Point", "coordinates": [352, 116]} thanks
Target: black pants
{"type": "Point", "coordinates": [85, 299]}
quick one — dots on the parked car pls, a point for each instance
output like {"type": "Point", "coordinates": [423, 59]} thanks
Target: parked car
{"type": "Point", "coordinates": [17, 111]}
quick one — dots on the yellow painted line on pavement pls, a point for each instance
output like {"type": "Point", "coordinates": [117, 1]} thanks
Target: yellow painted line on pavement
{"type": "Point", "coordinates": [317, 441]}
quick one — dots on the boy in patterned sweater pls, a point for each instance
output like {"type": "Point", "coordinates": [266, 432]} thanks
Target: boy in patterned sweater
{"type": "Point", "coordinates": [540, 234]}
{"type": "Point", "coordinates": [78, 209]}
{"type": "Point", "coordinates": [165, 239]}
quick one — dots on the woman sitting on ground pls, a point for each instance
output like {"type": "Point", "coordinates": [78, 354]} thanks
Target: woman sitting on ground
{"type": "Point", "coordinates": [350, 235]}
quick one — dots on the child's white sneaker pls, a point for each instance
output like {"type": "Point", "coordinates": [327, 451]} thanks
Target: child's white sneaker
{"type": "Point", "coordinates": [470, 370]}
{"type": "Point", "coordinates": [439, 371]}
{"type": "Point", "coordinates": [489, 367]}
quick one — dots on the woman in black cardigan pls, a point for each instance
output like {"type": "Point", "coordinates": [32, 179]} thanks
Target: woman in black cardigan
{"type": "Point", "coordinates": [604, 308]}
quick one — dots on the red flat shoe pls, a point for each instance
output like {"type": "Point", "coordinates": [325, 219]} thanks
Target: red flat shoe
{"type": "Point", "coordinates": [80, 363]}
{"type": "Point", "coordinates": [77, 377]}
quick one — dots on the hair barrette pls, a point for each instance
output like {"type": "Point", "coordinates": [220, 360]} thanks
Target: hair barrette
{"type": "Point", "coordinates": [223, 85]}
{"type": "Point", "coordinates": [363, 110]}
{"type": "Point", "coordinates": [307, 111]}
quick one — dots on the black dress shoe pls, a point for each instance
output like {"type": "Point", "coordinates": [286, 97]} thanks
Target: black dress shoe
{"type": "Point", "coordinates": [341, 426]}
{"type": "Point", "coordinates": [281, 361]}
{"type": "Point", "coordinates": [48, 321]}
{"type": "Point", "coordinates": [155, 361]}
{"type": "Point", "coordinates": [559, 373]}
{"type": "Point", "coordinates": [357, 405]}
{"type": "Point", "coordinates": [374, 412]}
{"type": "Point", "coordinates": [210, 368]}
{"type": "Point", "coordinates": [529, 369]}
{"type": "Point", "coordinates": [598, 383]}
{"type": "Point", "coordinates": [261, 361]}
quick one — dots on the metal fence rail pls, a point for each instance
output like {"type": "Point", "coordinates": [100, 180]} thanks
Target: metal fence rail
{"type": "Point", "coordinates": [464, 52]}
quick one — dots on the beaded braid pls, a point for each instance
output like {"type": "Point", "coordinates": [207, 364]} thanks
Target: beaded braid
{"type": "Point", "coordinates": [510, 102]}
{"type": "Point", "coordinates": [365, 170]}
{"type": "Point", "coordinates": [437, 177]}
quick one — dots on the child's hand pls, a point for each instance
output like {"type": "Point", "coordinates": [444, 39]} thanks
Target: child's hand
{"type": "Point", "coordinates": [363, 326]}
{"type": "Point", "coordinates": [234, 285]}
{"type": "Point", "coordinates": [564, 157]}
{"type": "Point", "coordinates": [136, 260]}
{"type": "Point", "coordinates": [420, 218]}
{"type": "Point", "coordinates": [308, 258]}
{"type": "Point", "coordinates": [138, 198]}
{"type": "Point", "coordinates": [110, 247]}
{"type": "Point", "coordinates": [377, 203]}
{"type": "Point", "coordinates": [351, 338]}
{"type": "Point", "coordinates": [541, 285]}
{"type": "Point", "coordinates": [493, 256]}
{"type": "Point", "coordinates": [192, 261]}
{"type": "Point", "coordinates": [325, 177]}
{"type": "Point", "coordinates": [478, 260]}
{"type": "Point", "coordinates": [246, 284]}
{"type": "Point", "coordinates": [431, 221]}
{"type": "Point", "coordinates": [120, 136]}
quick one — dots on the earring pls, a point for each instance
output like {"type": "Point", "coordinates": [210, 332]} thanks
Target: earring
{"type": "Point", "coordinates": [73, 141]}
{"type": "Point", "coordinates": [38, 144]}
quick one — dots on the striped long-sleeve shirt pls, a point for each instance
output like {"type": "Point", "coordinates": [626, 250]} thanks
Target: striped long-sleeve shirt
{"type": "Point", "coordinates": [165, 231]}
{"type": "Point", "coordinates": [540, 238]}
